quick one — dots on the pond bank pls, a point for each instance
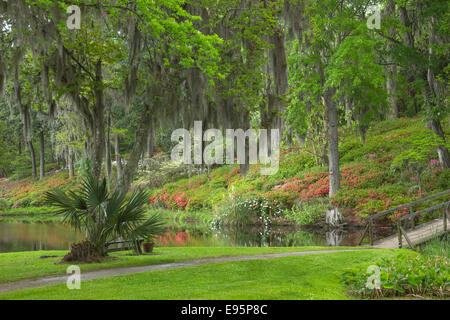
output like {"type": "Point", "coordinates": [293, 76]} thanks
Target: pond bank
{"type": "Point", "coordinates": [17, 236]}
{"type": "Point", "coordinates": [27, 284]}
{"type": "Point", "coordinates": [33, 266]}
{"type": "Point", "coordinates": [307, 276]}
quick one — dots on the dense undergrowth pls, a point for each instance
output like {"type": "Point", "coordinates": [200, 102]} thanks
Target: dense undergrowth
{"type": "Point", "coordinates": [28, 192]}
{"type": "Point", "coordinates": [416, 275]}
{"type": "Point", "coordinates": [376, 176]}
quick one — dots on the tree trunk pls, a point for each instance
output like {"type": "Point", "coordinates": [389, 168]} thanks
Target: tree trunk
{"type": "Point", "coordinates": [52, 150]}
{"type": "Point", "coordinates": [98, 140]}
{"type": "Point", "coordinates": [436, 91]}
{"type": "Point", "coordinates": [108, 152]}
{"type": "Point", "coordinates": [33, 159]}
{"type": "Point", "coordinates": [333, 159]}
{"type": "Point", "coordinates": [348, 111]}
{"type": "Point", "coordinates": [149, 142]}
{"type": "Point", "coordinates": [41, 155]}
{"type": "Point", "coordinates": [444, 156]}
{"type": "Point", "coordinates": [139, 146]}
{"type": "Point", "coordinates": [118, 158]}
{"type": "Point", "coordinates": [277, 69]}
{"type": "Point", "coordinates": [70, 161]}
{"type": "Point", "coordinates": [391, 70]}
{"type": "Point", "coordinates": [391, 86]}
{"type": "Point", "coordinates": [362, 134]}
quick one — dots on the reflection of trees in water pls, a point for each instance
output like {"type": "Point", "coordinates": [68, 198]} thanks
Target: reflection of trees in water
{"type": "Point", "coordinates": [262, 236]}
{"type": "Point", "coordinates": [35, 236]}
{"type": "Point", "coordinates": [252, 236]}
{"type": "Point", "coordinates": [334, 237]}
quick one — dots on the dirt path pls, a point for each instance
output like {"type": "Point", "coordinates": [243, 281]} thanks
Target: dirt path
{"type": "Point", "coordinates": [32, 283]}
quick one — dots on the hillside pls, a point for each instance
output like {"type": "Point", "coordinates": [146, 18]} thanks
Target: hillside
{"type": "Point", "coordinates": [375, 176]}
{"type": "Point", "coordinates": [372, 180]}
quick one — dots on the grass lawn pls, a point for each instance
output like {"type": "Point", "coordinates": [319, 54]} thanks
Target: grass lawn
{"type": "Point", "coordinates": [300, 277]}
{"type": "Point", "coordinates": [29, 215]}
{"type": "Point", "coordinates": [21, 265]}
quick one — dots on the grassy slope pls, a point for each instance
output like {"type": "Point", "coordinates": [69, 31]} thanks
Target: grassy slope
{"type": "Point", "coordinates": [31, 266]}
{"type": "Point", "coordinates": [302, 277]}
{"type": "Point", "coordinates": [369, 184]}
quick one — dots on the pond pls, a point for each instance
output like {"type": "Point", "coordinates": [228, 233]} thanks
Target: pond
{"type": "Point", "coordinates": [20, 236]}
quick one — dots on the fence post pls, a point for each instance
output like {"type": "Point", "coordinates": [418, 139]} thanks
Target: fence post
{"type": "Point", "coordinates": [399, 231]}
{"type": "Point", "coordinates": [413, 219]}
{"type": "Point", "coordinates": [371, 232]}
{"type": "Point", "coordinates": [445, 219]}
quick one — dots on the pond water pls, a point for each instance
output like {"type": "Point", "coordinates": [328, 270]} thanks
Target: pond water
{"type": "Point", "coordinates": [19, 236]}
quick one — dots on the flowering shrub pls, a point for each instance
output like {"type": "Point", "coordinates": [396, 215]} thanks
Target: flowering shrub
{"type": "Point", "coordinates": [312, 185]}
{"type": "Point", "coordinates": [249, 211]}
{"type": "Point", "coordinates": [28, 192]}
{"type": "Point", "coordinates": [369, 201]}
{"type": "Point", "coordinates": [173, 201]}
{"type": "Point", "coordinates": [354, 177]}
{"type": "Point", "coordinates": [262, 208]}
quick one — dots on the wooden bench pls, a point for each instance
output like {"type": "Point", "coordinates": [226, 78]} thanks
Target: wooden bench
{"type": "Point", "coordinates": [130, 247]}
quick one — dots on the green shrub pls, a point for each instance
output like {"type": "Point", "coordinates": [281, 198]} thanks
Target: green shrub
{"type": "Point", "coordinates": [422, 275]}
{"type": "Point", "coordinates": [308, 212]}
{"type": "Point", "coordinates": [294, 163]}
{"type": "Point", "coordinates": [242, 211]}
{"type": "Point", "coordinates": [437, 247]}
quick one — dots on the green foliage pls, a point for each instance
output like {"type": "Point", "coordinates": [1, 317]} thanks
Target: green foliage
{"type": "Point", "coordinates": [294, 163]}
{"type": "Point", "coordinates": [307, 213]}
{"type": "Point", "coordinates": [438, 246]}
{"type": "Point", "coordinates": [249, 210]}
{"type": "Point", "coordinates": [418, 149]}
{"type": "Point", "coordinates": [105, 216]}
{"type": "Point", "coordinates": [405, 275]}
{"type": "Point", "coordinates": [28, 192]}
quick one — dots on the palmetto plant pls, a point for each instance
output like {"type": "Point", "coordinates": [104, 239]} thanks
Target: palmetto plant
{"type": "Point", "coordinates": [105, 216]}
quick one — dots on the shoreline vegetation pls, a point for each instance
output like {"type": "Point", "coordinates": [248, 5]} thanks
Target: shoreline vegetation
{"type": "Point", "coordinates": [104, 105]}
{"type": "Point", "coordinates": [296, 195]}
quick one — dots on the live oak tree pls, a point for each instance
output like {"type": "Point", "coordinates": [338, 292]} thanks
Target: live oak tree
{"type": "Point", "coordinates": [104, 93]}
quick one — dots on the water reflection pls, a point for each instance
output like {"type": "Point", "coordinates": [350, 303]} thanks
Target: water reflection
{"type": "Point", "coordinates": [52, 236]}
{"type": "Point", "coordinates": [36, 236]}
{"type": "Point", "coordinates": [251, 236]}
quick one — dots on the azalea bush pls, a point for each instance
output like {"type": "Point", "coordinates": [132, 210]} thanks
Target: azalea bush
{"type": "Point", "coordinates": [169, 201]}
{"type": "Point", "coordinates": [28, 192]}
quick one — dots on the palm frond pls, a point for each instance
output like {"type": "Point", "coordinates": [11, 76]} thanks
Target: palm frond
{"type": "Point", "coordinates": [105, 216]}
{"type": "Point", "coordinates": [94, 192]}
{"type": "Point", "coordinates": [154, 225]}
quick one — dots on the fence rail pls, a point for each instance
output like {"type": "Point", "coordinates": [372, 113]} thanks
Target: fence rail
{"type": "Point", "coordinates": [401, 229]}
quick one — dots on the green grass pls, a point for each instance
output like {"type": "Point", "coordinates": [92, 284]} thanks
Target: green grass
{"type": "Point", "coordinates": [301, 277]}
{"type": "Point", "coordinates": [437, 247]}
{"type": "Point", "coordinates": [30, 214]}
{"type": "Point", "coordinates": [21, 265]}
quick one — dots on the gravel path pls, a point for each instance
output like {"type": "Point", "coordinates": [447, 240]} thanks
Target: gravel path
{"type": "Point", "coordinates": [32, 283]}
